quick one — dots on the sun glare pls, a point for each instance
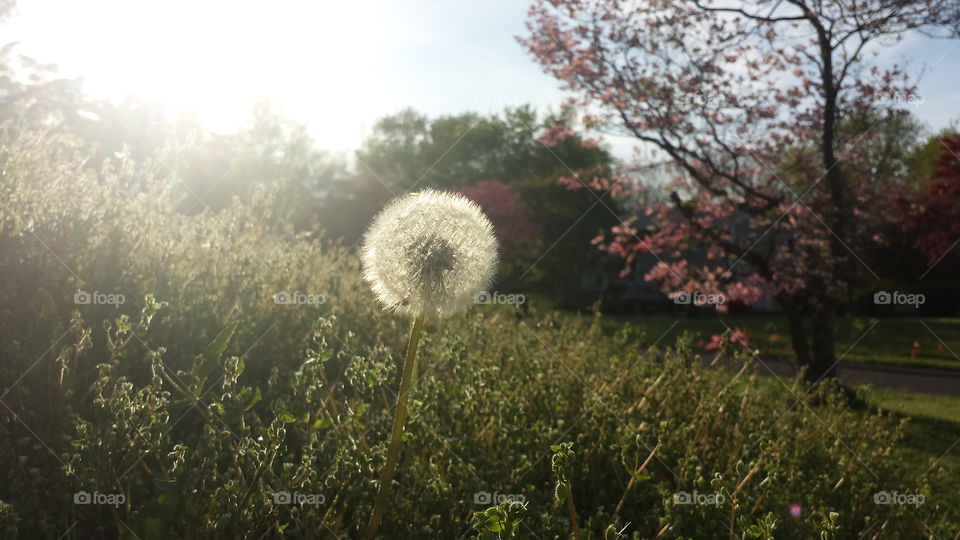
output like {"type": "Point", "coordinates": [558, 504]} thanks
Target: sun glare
{"type": "Point", "coordinates": [317, 60]}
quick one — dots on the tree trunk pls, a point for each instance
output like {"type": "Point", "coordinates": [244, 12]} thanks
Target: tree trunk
{"type": "Point", "coordinates": [824, 356]}
{"type": "Point", "coordinates": [813, 341]}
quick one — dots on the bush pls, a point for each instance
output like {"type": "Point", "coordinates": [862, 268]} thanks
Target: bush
{"type": "Point", "coordinates": [201, 408]}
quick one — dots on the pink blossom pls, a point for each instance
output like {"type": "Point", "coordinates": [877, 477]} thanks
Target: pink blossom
{"type": "Point", "coordinates": [554, 135]}
{"type": "Point", "coordinates": [796, 510]}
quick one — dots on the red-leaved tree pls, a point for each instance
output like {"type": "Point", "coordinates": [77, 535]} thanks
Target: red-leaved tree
{"type": "Point", "coordinates": [935, 216]}
{"type": "Point", "coordinates": [747, 99]}
{"type": "Point", "coordinates": [503, 205]}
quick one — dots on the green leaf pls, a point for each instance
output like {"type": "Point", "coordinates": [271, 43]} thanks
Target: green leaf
{"type": "Point", "coordinates": [250, 397]}
{"type": "Point", "coordinates": [493, 524]}
{"type": "Point", "coordinates": [216, 349]}
{"type": "Point", "coordinates": [211, 356]}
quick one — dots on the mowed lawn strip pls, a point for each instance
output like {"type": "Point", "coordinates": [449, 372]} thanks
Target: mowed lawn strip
{"type": "Point", "coordinates": [915, 342]}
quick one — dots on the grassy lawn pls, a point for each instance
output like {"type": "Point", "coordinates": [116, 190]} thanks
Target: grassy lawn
{"type": "Point", "coordinates": [930, 407]}
{"type": "Point", "coordinates": [888, 341]}
{"type": "Point", "coordinates": [932, 434]}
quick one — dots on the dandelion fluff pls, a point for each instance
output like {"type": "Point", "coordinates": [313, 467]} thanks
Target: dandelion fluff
{"type": "Point", "coordinates": [429, 252]}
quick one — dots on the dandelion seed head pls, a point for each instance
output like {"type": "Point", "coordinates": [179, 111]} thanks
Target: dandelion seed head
{"type": "Point", "coordinates": [429, 252]}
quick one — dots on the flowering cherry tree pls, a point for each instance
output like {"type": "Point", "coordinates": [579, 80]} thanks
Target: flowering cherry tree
{"type": "Point", "coordinates": [746, 99]}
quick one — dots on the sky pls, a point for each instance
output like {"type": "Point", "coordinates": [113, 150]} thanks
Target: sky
{"type": "Point", "coordinates": [338, 66]}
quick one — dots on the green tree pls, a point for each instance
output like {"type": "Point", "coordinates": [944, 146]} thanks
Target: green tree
{"type": "Point", "coordinates": [408, 151]}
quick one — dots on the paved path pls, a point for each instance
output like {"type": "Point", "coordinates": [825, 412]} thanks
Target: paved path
{"type": "Point", "coordinates": [929, 380]}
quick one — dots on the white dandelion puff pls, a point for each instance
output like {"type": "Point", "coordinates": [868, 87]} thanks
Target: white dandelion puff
{"type": "Point", "coordinates": [429, 252]}
{"type": "Point", "coordinates": [425, 254]}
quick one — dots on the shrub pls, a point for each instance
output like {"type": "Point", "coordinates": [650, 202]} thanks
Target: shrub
{"type": "Point", "coordinates": [200, 408]}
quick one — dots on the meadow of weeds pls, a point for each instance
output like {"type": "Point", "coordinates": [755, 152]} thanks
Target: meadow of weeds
{"type": "Point", "coordinates": [244, 389]}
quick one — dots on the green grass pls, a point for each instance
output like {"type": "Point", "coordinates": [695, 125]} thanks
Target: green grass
{"type": "Point", "coordinates": [889, 341]}
{"type": "Point", "coordinates": [932, 437]}
{"type": "Point", "coordinates": [918, 405]}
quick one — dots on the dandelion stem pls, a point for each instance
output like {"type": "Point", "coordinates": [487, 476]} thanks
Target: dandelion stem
{"type": "Point", "coordinates": [393, 453]}
{"type": "Point", "coordinates": [573, 512]}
